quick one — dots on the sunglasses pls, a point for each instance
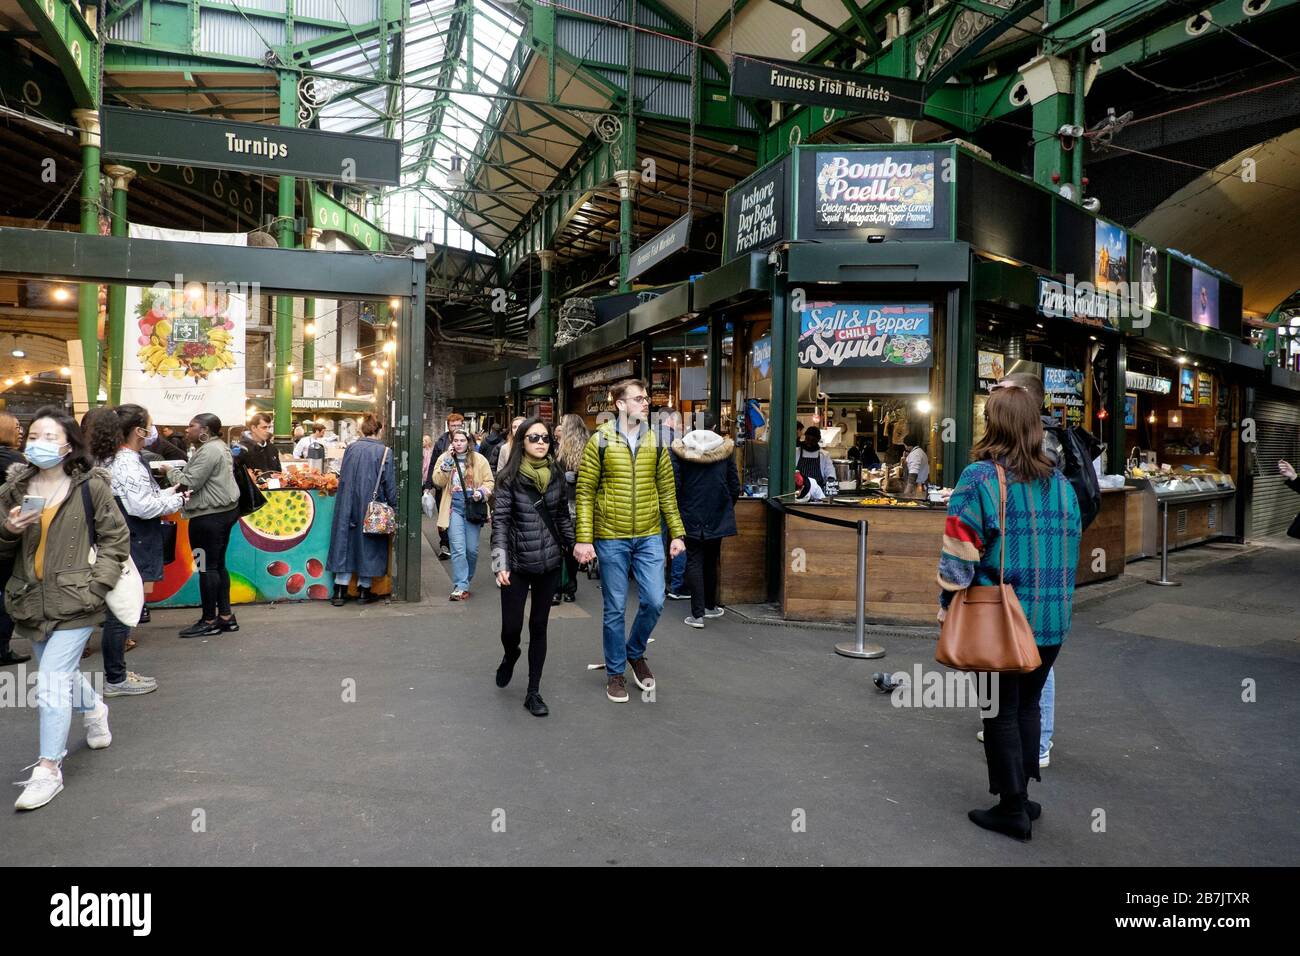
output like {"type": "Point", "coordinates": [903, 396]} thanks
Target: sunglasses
{"type": "Point", "coordinates": [538, 439]}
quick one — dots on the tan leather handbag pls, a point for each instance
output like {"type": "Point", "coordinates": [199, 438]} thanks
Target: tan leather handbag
{"type": "Point", "coordinates": [986, 628]}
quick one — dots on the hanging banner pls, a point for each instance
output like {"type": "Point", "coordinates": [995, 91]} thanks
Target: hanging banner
{"type": "Point", "coordinates": [860, 93]}
{"type": "Point", "coordinates": [186, 140]}
{"type": "Point", "coordinates": [184, 348]}
{"type": "Point", "coordinates": [863, 189]}
{"type": "Point", "coordinates": [1140, 382]}
{"type": "Point", "coordinates": [755, 210]}
{"type": "Point", "coordinates": [835, 334]}
{"type": "Point", "coordinates": [654, 251]}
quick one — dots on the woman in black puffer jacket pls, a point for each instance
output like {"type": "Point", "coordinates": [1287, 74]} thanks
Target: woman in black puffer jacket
{"type": "Point", "coordinates": [707, 489]}
{"type": "Point", "coordinates": [531, 533]}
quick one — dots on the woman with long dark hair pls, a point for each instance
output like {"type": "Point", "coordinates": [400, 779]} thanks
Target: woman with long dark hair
{"type": "Point", "coordinates": [572, 442]}
{"type": "Point", "coordinates": [56, 593]}
{"type": "Point", "coordinates": [11, 440]}
{"type": "Point", "coordinates": [143, 503]}
{"type": "Point", "coordinates": [1041, 542]}
{"type": "Point", "coordinates": [212, 508]}
{"type": "Point", "coordinates": [531, 533]}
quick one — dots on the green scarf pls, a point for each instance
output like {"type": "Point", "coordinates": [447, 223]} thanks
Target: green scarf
{"type": "Point", "coordinates": [538, 472]}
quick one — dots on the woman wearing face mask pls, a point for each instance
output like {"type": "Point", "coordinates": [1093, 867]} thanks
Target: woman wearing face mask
{"type": "Point", "coordinates": [144, 504]}
{"type": "Point", "coordinates": [465, 474]}
{"type": "Point", "coordinates": [56, 592]}
{"type": "Point", "coordinates": [531, 534]}
{"type": "Point", "coordinates": [212, 509]}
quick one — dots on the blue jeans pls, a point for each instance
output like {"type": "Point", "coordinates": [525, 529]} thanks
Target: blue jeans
{"type": "Point", "coordinates": [343, 578]}
{"type": "Point", "coordinates": [645, 558]}
{"type": "Point", "coordinates": [678, 564]}
{"type": "Point", "coordinates": [1047, 704]}
{"type": "Point", "coordinates": [61, 688]}
{"type": "Point", "coordinates": [463, 538]}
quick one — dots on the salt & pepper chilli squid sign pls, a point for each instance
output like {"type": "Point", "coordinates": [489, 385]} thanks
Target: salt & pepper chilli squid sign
{"type": "Point", "coordinates": [835, 334]}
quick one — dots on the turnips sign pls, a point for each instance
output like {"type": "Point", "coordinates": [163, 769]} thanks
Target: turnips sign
{"type": "Point", "coordinates": [832, 334]}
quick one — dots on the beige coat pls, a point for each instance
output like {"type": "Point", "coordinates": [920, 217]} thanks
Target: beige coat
{"type": "Point", "coordinates": [478, 474]}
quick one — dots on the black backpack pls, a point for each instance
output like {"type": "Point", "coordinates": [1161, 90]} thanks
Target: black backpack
{"type": "Point", "coordinates": [1078, 449]}
{"type": "Point", "coordinates": [250, 496]}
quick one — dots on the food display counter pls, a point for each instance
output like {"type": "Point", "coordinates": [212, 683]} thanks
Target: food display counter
{"type": "Point", "coordinates": [1201, 508]}
{"type": "Point", "coordinates": [742, 565]}
{"type": "Point", "coordinates": [277, 553]}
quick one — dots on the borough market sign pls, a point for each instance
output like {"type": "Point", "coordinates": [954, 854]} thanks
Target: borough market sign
{"type": "Point", "coordinates": [185, 140]}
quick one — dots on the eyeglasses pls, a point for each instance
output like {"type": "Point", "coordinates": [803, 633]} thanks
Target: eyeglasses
{"type": "Point", "coordinates": [538, 439]}
{"type": "Point", "coordinates": [639, 399]}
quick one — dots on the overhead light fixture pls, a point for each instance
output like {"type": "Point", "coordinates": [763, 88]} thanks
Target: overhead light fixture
{"type": "Point", "coordinates": [9, 381]}
{"type": "Point", "coordinates": [1152, 418]}
{"type": "Point", "coordinates": [1175, 418]}
{"type": "Point", "coordinates": [18, 353]}
{"type": "Point", "coordinates": [353, 389]}
{"type": "Point", "coordinates": [923, 406]}
{"type": "Point", "coordinates": [1182, 360]}
{"type": "Point", "coordinates": [394, 304]}
{"type": "Point", "coordinates": [61, 294]}
{"type": "Point", "coordinates": [65, 371]}
{"type": "Point", "coordinates": [293, 377]}
{"type": "Point", "coordinates": [270, 365]}
{"type": "Point", "coordinates": [356, 356]}
{"type": "Point", "coordinates": [309, 328]}
{"type": "Point", "coordinates": [27, 380]}
{"type": "Point", "coordinates": [390, 347]}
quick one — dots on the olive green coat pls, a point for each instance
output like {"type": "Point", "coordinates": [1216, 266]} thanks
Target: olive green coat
{"type": "Point", "coordinates": [626, 496]}
{"type": "Point", "coordinates": [70, 592]}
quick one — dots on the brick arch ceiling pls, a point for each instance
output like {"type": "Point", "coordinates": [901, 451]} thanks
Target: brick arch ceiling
{"type": "Point", "coordinates": [1247, 229]}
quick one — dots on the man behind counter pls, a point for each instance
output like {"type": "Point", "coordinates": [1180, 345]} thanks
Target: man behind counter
{"type": "Point", "coordinates": [916, 464]}
{"type": "Point", "coordinates": [255, 449]}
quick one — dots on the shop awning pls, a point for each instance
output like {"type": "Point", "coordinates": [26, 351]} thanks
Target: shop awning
{"type": "Point", "coordinates": [669, 308]}
{"type": "Point", "coordinates": [1284, 378]}
{"type": "Point", "coordinates": [543, 375]}
{"type": "Point", "coordinates": [599, 339]}
{"type": "Point", "coordinates": [1180, 336]}
{"type": "Point", "coordinates": [946, 263]}
{"type": "Point", "coordinates": [739, 279]}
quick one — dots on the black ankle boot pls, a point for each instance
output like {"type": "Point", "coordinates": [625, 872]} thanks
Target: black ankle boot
{"type": "Point", "coordinates": [506, 669]}
{"type": "Point", "coordinates": [340, 596]}
{"type": "Point", "coordinates": [1010, 817]}
{"type": "Point", "coordinates": [365, 597]}
{"type": "Point", "coordinates": [534, 704]}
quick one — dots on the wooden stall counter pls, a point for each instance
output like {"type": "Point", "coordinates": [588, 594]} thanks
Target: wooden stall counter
{"type": "Point", "coordinates": [1102, 549]}
{"type": "Point", "coordinates": [819, 564]}
{"type": "Point", "coordinates": [742, 565]}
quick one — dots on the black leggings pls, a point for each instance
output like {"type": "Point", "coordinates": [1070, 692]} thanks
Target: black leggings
{"type": "Point", "coordinates": [1011, 738]}
{"type": "Point", "coordinates": [571, 569]}
{"type": "Point", "coordinates": [211, 534]}
{"type": "Point", "coordinates": [702, 573]}
{"type": "Point", "coordinates": [512, 618]}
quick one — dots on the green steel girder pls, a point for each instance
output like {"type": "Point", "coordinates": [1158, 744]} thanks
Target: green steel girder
{"type": "Point", "coordinates": [68, 38]}
{"type": "Point", "coordinates": [35, 86]}
{"type": "Point", "coordinates": [118, 12]}
{"type": "Point", "coordinates": [586, 173]}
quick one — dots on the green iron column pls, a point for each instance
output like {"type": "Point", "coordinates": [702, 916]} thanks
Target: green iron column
{"type": "Point", "coordinates": [1049, 81]}
{"type": "Point", "coordinates": [627, 180]}
{"type": "Point", "coordinates": [88, 296]}
{"type": "Point", "coordinates": [116, 337]}
{"type": "Point", "coordinates": [545, 317]}
{"type": "Point", "coordinates": [284, 303]}
{"type": "Point", "coordinates": [310, 330]}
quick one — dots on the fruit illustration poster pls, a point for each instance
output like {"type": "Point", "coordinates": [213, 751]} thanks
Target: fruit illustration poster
{"type": "Point", "coordinates": [184, 349]}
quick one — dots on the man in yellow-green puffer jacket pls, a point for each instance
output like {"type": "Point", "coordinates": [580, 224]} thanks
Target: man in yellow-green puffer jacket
{"type": "Point", "coordinates": [625, 484]}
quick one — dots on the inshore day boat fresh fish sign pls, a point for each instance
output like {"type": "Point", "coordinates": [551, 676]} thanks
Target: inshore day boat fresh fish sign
{"type": "Point", "coordinates": [834, 334]}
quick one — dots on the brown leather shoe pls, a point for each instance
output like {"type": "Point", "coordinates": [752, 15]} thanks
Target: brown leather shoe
{"type": "Point", "coordinates": [616, 689]}
{"type": "Point", "coordinates": [641, 675]}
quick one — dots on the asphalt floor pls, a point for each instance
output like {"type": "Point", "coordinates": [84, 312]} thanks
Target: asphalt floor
{"type": "Point", "coordinates": [376, 736]}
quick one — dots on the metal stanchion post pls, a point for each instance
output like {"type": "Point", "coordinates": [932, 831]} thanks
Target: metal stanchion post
{"type": "Point", "coordinates": [1164, 552]}
{"type": "Point", "coordinates": [859, 649]}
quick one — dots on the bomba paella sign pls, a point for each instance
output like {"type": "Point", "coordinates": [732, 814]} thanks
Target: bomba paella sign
{"type": "Point", "coordinates": [835, 334]}
{"type": "Point", "coordinates": [865, 189]}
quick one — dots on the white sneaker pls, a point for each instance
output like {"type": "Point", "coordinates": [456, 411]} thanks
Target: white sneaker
{"type": "Point", "coordinates": [714, 612]}
{"type": "Point", "coordinates": [1045, 758]}
{"type": "Point", "coordinates": [133, 685]}
{"type": "Point", "coordinates": [42, 787]}
{"type": "Point", "coordinates": [97, 733]}
{"type": "Point", "coordinates": [694, 622]}
{"type": "Point", "coordinates": [980, 736]}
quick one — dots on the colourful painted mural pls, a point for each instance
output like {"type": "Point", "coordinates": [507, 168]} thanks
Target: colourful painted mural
{"type": "Point", "coordinates": [276, 554]}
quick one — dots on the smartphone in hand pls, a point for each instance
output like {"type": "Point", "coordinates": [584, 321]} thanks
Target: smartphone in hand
{"type": "Point", "coordinates": [32, 503]}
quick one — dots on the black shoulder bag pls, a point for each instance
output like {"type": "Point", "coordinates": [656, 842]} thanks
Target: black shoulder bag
{"type": "Point", "coordinates": [476, 512]}
{"type": "Point", "coordinates": [543, 509]}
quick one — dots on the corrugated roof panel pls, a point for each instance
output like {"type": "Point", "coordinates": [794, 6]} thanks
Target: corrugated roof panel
{"type": "Point", "coordinates": [130, 27]}
{"type": "Point", "coordinates": [271, 6]}
{"type": "Point", "coordinates": [232, 35]}
{"type": "Point", "coordinates": [353, 11]}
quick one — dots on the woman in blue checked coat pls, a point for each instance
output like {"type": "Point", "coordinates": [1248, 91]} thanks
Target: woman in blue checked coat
{"type": "Point", "coordinates": [1042, 552]}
